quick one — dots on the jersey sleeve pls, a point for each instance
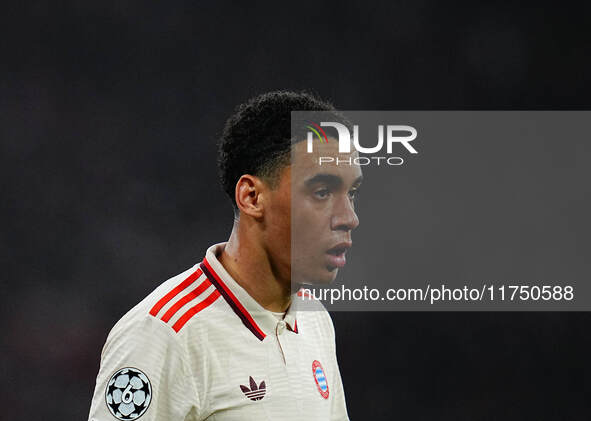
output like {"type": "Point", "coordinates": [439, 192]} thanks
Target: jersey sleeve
{"type": "Point", "coordinates": [338, 410]}
{"type": "Point", "coordinates": [145, 372]}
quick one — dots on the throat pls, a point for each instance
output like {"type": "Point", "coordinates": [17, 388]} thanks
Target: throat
{"type": "Point", "coordinates": [258, 280]}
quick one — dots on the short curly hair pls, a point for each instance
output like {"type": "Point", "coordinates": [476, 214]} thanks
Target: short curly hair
{"type": "Point", "coordinates": [257, 140]}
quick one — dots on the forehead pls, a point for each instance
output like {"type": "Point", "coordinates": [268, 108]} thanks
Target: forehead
{"type": "Point", "coordinates": [305, 165]}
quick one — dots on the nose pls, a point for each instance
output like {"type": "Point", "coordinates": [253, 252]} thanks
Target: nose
{"type": "Point", "coordinates": [344, 217]}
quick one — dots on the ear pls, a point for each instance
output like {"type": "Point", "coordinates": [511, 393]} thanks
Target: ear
{"type": "Point", "coordinates": [249, 195]}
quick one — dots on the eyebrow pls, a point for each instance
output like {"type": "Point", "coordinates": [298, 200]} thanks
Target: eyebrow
{"type": "Point", "coordinates": [331, 180]}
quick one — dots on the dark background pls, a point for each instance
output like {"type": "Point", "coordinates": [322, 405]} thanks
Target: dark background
{"type": "Point", "coordinates": [109, 114]}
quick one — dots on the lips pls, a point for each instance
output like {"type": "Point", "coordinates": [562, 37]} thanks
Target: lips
{"type": "Point", "coordinates": [336, 254]}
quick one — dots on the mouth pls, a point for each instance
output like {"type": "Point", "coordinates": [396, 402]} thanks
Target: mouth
{"type": "Point", "coordinates": [336, 255]}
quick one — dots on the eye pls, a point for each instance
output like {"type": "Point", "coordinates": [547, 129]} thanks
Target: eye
{"type": "Point", "coordinates": [353, 194]}
{"type": "Point", "coordinates": [322, 193]}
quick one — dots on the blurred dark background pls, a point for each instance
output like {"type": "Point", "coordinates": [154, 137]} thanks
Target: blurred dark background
{"type": "Point", "coordinates": [109, 112]}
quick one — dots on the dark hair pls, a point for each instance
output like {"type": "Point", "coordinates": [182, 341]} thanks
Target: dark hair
{"type": "Point", "coordinates": [257, 138]}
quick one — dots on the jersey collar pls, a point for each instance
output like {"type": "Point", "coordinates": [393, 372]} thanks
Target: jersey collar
{"type": "Point", "coordinates": [256, 318]}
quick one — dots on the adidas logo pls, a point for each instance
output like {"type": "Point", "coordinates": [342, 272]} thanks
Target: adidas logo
{"type": "Point", "coordinates": [255, 393]}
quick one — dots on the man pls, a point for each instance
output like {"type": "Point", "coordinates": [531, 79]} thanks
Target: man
{"type": "Point", "coordinates": [224, 340]}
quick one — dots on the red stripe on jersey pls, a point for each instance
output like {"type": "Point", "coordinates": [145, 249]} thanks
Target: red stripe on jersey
{"type": "Point", "coordinates": [162, 302]}
{"type": "Point", "coordinates": [302, 293]}
{"type": "Point", "coordinates": [188, 297]}
{"type": "Point", "coordinates": [233, 301]}
{"type": "Point", "coordinates": [196, 309]}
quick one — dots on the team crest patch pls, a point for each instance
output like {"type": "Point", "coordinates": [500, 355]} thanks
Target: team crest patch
{"type": "Point", "coordinates": [320, 378]}
{"type": "Point", "coordinates": [128, 394]}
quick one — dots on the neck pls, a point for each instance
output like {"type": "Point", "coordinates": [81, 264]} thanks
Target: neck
{"type": "Point", "coordinates": [249, 265]}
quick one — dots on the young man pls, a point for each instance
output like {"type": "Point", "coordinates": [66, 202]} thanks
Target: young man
{"type": "Point", "coordinates": [224, 340]}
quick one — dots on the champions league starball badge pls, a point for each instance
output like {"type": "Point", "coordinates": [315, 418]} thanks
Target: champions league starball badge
{"type": "Point", "coordinates": [128, 394]}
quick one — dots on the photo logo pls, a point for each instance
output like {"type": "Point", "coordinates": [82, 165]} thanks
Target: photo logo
{"type": "Point", "coordinates": [388, 136]}
{"type": "Point", "coordinates": [409, 134]}
{"type": "Point", "coordinates": [323, 138]}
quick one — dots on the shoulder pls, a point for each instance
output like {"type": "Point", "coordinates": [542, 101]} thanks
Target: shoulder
{"type": "Point", "coordinates": [166, 310]}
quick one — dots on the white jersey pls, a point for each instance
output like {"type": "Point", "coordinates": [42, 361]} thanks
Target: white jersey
{"type": "Point", "coordinates": [201, 348]}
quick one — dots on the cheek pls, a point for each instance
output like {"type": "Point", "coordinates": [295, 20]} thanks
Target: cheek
{"type": "Point", "coordinates": [279, 223]}
{"type": "Point", "coordinates": [308, 229]}
{"type": "Point", "coordinates": [311, 220]}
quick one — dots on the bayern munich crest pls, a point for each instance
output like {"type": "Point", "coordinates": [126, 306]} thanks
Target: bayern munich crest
{"type": "Point", "coordinates": [128, 394]}
{"type": "Point", "coordinates": [320, 378]}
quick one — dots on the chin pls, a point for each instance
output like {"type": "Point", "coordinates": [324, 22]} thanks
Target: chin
{"type": "Point", "coordinates": [321, 277]}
